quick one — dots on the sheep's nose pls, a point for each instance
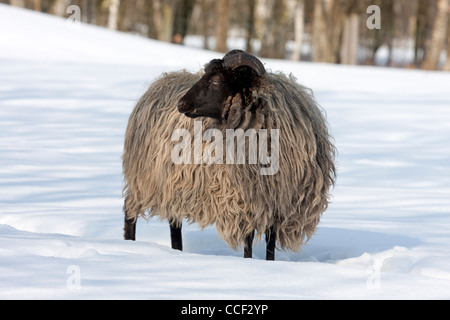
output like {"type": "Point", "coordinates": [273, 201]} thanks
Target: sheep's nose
{"type": "Point", "coordinates": [183, 106]}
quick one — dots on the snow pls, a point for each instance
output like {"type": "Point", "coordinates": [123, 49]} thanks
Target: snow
{"type": "Point", "coordinates": [65, 96]}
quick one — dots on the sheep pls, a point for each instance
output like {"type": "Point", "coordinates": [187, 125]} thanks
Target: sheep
{"type": "Point", "coordinates": [233, 93]}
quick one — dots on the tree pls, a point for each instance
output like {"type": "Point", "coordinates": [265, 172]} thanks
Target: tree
{"type": "Point", "coordinates": [163, 16]}
{"type": "Point", "coordinates": [327, 29]}
{"type": "Point", "coordinates": [113, 9]}
{"type": "Point", "coordinates": [298, 28]}
{"type": "Point", "coordinates": [250, 25]}
{"type": "Point", "coordinates": [206, 10]}
{"type": "Point", "coordinates": [17, 3]}
{"type": "Point", "coordinates": [58, 7]}
{"type": "Point", "coordinates": [447, 62]}
{"type": "Point", "coordinates": [438, 36]}
{"type": "Point", "coordinates": [422, 22]}
{"type": "Point", "coordinates": [38, 5]}
{"type": "Point", "coordinates": [182, 18]}
{"type": "Point", "coordinates": [349, 47]}
{"type": "Point", "coordinates": [223, 8]}
{"type": "Point", "coordinates": [275, 20]}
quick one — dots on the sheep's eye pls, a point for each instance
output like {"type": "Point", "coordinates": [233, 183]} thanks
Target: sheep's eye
{"type": "Point", "coordinates": [215, 81]}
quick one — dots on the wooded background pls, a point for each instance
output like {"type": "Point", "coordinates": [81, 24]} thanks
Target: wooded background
{"type": "Point", "coordinates": [413, 33]}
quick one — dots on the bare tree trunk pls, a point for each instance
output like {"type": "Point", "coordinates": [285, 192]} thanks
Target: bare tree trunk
{"type": "Point", "coordinates": [420, 31]}
{"type": "Point", "coordinates": [446, 66]}
{"type": "Point", "coordinates": [38, 5]}
{"type": "Point", "coordinates": [205, 24]}
{"type": "Point", "coordinates": [223, 8]}
{"type": "Point", "coordinates": [250, 25]}
{"type": "Point", "coordinates": [113, 14]}
{"type": "Point", "coordinates": [349, 47]}
{"type": "Point", "coordinates": [163, 15]}
{"type": "Point", "coordinates": [168, 17]}
{"type": "Point", "coordinates": [329, 16]}
{"type": "Point", "coordinates": [58, 7]}
{"type": "Point", "coordinates": [275, 25]}
{"type": "Point", "coordinates": [438, 35]}
{"type": "Point", "coordinates": [299, 26]}
{"type": "Point", "coordinates": [182, 18]}
{"type": "Point", "coordinates": [447, 63]}
{"type": "Point", "coordinates": [157, 17]}
{"type": "Point", "coordinates": [17, 3]}
{"type": "Point", "coordinates": [321, 41]}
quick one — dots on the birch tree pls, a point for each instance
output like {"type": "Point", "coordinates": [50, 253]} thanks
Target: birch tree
{"type": "Point", "coordinates": [447, 62]}
{"type": "Point", "coordinates": [58, 7]}
{"type": "Point", "coordinates": [349, 46]}
{"type": "Point", "coordinates": [17, 3]}
{"type": "Point", "coordinates": [113, 14]}
{"type": "Point", "coordinates": [298, 29]}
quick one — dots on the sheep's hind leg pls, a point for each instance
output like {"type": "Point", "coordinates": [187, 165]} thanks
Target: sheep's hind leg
{"type": "Point", "coordinates": [248, 245]}
{"type": "Point", "coordinates": [271, 237]}
{"type": "Point", "coordinates": [130, 229]}
{"type": "Point", "coordinates": [175, 236]}
{"type": "Point", "coordinates": [130, 223]}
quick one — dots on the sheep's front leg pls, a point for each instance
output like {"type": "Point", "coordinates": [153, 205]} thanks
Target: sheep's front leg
{"type": "Point", "coordinates": [248, 245]}
{"type": "Point", "coordinates": [175, 236]}
{"type": "Point", "coordinates": [271, 237]}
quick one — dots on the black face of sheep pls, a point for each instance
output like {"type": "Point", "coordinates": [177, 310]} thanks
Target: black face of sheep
{"type": "Point", "coordinates": [226, 77]}
{"type": "Point", "coordinates": [235, 74]}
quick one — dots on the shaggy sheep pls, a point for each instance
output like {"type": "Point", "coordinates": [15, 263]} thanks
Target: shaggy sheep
{"type": "Point", "coordinates": [234, 93]}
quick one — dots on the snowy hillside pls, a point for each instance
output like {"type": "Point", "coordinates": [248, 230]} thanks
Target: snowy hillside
{"type": "Point", "coordinates": [65, 96]}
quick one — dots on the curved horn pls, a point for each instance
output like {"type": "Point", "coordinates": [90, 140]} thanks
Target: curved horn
{"type": "Point", "coordinates": [240, 58]}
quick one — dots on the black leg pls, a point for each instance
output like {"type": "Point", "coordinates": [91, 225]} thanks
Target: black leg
{"type": "Point", "coordinates": [175, 236]}
{"type": "Point", "coordinates": [130, 224]}
{"type": "Point", "coordinates": [248, 245]}
{"type": "Point", "coordinates": [130, 229]}
{"type": "Point", "coordinates": [271, 237]}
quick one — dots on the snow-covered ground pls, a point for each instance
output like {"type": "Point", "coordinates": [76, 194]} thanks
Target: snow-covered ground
{"type": "Point", "coordinates": [65, 96]}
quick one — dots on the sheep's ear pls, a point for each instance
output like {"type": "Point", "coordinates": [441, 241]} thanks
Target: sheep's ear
{"type": "Point", "coordinates": [236, 58]}
{"type": "Point", "coordinates": [215, 63]}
